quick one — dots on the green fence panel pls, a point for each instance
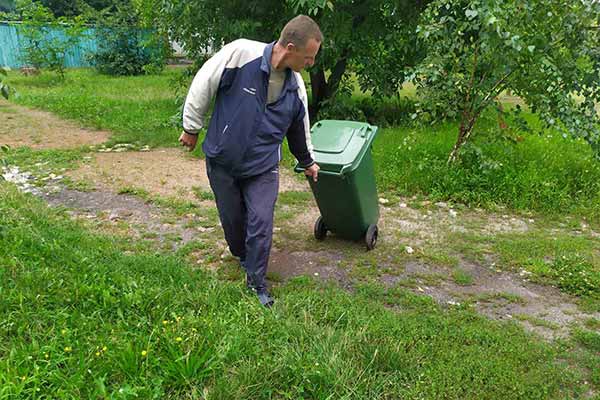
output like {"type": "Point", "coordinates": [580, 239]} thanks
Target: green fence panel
{"type": "Point", "coordinates": [12, 43]}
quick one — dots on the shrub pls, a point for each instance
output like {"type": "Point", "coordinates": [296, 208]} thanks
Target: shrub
{"type": "Point", "coordinates": [383, 112]}
{"type": "Point", "coordinates": [125, 49]}
{"type": "Point", "coordinates": [48, 40]}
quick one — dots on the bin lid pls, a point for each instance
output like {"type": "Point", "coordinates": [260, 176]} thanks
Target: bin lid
{"type": "Point", "coordinates": [341, 144]}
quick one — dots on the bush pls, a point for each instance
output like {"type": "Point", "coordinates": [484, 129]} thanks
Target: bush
{"type": "Point", "coordinates": [125, 49]}
{"type": "Point", "coordinates": [383, 112]}
{"type": "Point", "coordinates": [48, 40]}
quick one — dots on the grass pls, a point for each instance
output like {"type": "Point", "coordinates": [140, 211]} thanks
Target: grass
{"type": "Point", "coordinates": [569, 262]}
{"type": "Point", "coordinates": [462, 277]}
{"type": "Point", "coordinates": [85, 318]}
{"type": "Point", "coordinates": [92, 316]}
{"type": "Point", "coordinates": [543, 173]}
{"type": "Point", "coordinates": [136, 109]}
{"type": "Point", "coordinates": [524, 171]}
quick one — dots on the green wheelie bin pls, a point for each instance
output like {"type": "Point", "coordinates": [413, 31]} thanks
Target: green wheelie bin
{"type": "Point", "coordinates": [345, 191]}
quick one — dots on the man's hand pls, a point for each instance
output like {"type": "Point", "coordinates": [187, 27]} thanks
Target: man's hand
{"type": "Point", "coordinates": [188, 140]}
{"type": "Point", "coordinates": [313, 171]}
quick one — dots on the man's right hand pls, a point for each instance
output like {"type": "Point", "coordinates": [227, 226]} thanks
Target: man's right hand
{"type": "Point", "coordinates": [188, 140]}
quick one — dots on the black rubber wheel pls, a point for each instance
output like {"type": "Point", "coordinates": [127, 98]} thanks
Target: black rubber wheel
{"type": "Point", "coordinates": [320, 229]}
{"type": "Point", "coordinates": [371, 237]}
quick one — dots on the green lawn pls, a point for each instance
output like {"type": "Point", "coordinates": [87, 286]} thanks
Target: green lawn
{"type": "Point", "coordinates": [85, 318]}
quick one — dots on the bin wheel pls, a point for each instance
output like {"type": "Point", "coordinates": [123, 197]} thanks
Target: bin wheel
{"type": "Point", "coordinates": [371, 237]}
{"type": "Point", "coordinates": [320, 229]}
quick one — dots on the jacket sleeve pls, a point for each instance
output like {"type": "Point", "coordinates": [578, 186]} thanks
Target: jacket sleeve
{"type": "Point", "coordinates": [203, 88]}
{"type": "Point", "coordinates": [298, 134]}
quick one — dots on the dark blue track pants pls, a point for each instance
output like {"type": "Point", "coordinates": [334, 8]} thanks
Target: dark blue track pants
{"type": "Point", "coordinates": [246, 208]}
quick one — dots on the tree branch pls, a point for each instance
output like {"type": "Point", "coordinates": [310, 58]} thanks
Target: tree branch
{"type": "Point", "coordinates": [492, 93]}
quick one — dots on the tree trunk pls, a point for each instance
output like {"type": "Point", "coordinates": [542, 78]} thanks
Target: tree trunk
{"type": "Point", "coordinates": [464, 131]}
{"type": "Point", "coordinates": [323, 89]}
{"type": "Point", "coordinates": [318, 85]}
{"type": "Point", "coordinates": [459, 142]}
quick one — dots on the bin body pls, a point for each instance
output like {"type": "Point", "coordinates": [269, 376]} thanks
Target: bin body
{"type": "Point", "coordinates": [345, 191]}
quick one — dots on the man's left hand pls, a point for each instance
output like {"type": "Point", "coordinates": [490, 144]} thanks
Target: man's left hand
{"type": "Point", "coordinates": [313, 171]}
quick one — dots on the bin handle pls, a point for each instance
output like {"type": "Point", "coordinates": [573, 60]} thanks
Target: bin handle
{"type": "Point", "coordinates": [364, 130]}
{"type": "Point", "coordinates": [342, 172]}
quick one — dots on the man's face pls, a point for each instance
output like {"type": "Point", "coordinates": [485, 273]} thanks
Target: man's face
{"type": "Point", "coordinates": [300, 58]}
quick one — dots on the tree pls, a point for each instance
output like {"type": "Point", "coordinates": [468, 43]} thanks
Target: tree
{"type": "Point", "coordinates": [7, 6]}
{"type": "Point", "coordinates": [544, 51]}
{"type": "Point", "coordinates": [375, 38]}
{"type": "Point", "coordinates": [69, 8]}
{"type": "Point", "coordinates": [43, 47]}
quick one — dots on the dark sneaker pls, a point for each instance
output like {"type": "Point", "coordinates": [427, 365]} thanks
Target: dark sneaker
{"type": "Point", "coordinates": [265, 298]}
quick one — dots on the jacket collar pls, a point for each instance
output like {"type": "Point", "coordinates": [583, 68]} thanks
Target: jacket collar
{"type": "Point", "coordinates": [265, 65]}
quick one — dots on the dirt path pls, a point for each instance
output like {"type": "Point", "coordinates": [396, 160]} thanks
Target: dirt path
{"type": "Point", "coordinates": [410, 230]}
{"type": "Point", "coordinates": [42, 130]}
{"type": "Point", "coordinates": [163, 172]}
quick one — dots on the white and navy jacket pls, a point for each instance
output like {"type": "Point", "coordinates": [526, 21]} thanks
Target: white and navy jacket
{"type": "Point", "coordinates": [245, 133]}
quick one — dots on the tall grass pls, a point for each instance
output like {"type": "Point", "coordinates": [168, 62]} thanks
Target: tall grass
{"type": "Point", "coordinates": [535, 172]}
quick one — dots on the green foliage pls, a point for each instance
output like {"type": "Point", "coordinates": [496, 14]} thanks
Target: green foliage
{"type": "Point", "coordinates": [591, 340]}
{"type": "Point", "coordinates": [7, 6]}
{"type": "Point", "coordinates": [124, 48]}
{"type": "Point", "coordinates": [546, 173]}
{"type": "Point", "coordinates": [70, 8]}
{"type": "Point", "coordinates": [545, 52]}
{"type": "Point", "coordinates": [380, 111]}
{"type": "Point", "coordinates": [86, 317]}
{"type": "Point", "coordinates": [4, 88]}
{"type": "Point", "coordinates": [42, 47]}
{"type": "Point", "coordinates": [375, 38]}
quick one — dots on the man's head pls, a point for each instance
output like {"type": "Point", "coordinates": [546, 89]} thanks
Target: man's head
{"type": "Point", "coordinates": [301, 39]}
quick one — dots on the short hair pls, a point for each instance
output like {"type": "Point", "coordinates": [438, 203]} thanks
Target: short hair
{"type": "Point", "coordinates": [299, 30]}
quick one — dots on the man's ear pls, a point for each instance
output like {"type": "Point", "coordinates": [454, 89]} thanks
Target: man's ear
{"type": "Point", "coordinates": [290, 47]}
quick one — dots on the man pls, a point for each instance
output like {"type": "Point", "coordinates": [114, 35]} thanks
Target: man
{"type": "Point", "coordinates": [260, 99]}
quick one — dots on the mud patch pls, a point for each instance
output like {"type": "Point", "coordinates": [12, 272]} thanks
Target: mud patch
{"type": "Point", "coordinates": [167, 172]}
{"type": "Point", "coordinates": [37, 129]}
{"type": "Point", "coordinates": [322, 265]}
{"type": "Point", "coordinates": [139, 217]}
{"type": "Point", "coordinates": [500, 296]}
